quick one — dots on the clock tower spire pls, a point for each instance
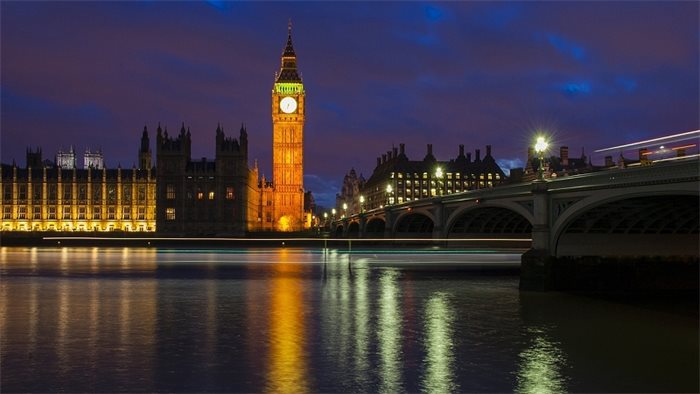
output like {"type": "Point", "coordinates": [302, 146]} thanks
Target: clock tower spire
{"type": "Point", "coordinates": [288, 116]}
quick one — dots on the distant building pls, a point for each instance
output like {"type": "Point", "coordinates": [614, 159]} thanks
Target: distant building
{"type": "Point", "coordinates": [202, 197]}
{"type": "Point", "coordinates": [94, 160]}
{"type": "Point", "coordinates": [396, 179]}
{"type": "Point", "coordinates": [65, 160]}
{"type": "Point", "coordinates": [42, 197]}
{"type": "Point", "coordinates": [554, 166]}
{"type": "Point", "coordinates": [350, 192]}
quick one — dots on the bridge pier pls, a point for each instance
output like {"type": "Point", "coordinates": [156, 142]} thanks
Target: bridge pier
{"type": "Point", "coordinates": [536, 265]}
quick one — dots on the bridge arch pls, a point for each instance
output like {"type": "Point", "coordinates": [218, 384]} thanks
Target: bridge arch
{"type": "Point", "coordinates": [489, 219]}
{"type": "Point", "coordinates": [353, 229]}
{"type": "Point", "coordinates": [375, 227]}
{"type": "Point", "coordinates": [414, 224]}
{"type": "Point", "coordinates": [655, 222]}
{"type": "Point", "coordinates": [338, 233]}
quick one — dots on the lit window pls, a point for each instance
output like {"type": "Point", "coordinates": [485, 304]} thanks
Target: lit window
{"type": "Point", "coordinates": [142, 213]}
{"type": "Point", "coordinates": [66, 213]}
{"type": "Point", "coordinates": [96, 213]}
{"type": "Point", "coordinates": [7, 213]}
{"type": "Point", "coordinates": [81, 212]}
{"type": "Point", "coordinates": [200, 195]}
{"type": "Point", "coordinates": [52, 213]}
{"type": "Point", "coordinates": [126, 213]}
{"type": "Point", "coordinates": [111, 211]}
{"type": "Point", "coordinates": [170, 192]}
{"type": "Point", "coordinates": [229, 193]}
{"type": "Point", "coordinates": [169, 213]}
{"type": "Point", "coordinates": [211, 195]}
{"type": "Point", "coordinates": [37, 212]}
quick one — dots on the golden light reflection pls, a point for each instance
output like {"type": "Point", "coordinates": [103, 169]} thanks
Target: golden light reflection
{"type": "Point", "coordinates": [540, 366]}
{"type": "Point", "coordinates": [362, 319]}
{"type": "Point", "coordinates": [389, 334]}
{"type": "Point", "coordinates": [287, 364]}
{"type": "Point", "coordinates": [439, 349]}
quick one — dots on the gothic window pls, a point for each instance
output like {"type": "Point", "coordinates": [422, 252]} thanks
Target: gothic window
{"type": "Point", "coordinates": [22, 194]}
{"type": "Point", "coordinates": [36, 191]}
{"type": "Point", "coordinates": [111, 212]}
{"type": "Point", "coordinates": [169, 213]}
{"type": "Point", "coordinates": [52, 213]}
{"type": "Point", "coordinates": [141, 213]}
{"type": "Point", "coordinates": [22, 213]}
{"type": "Point", "coordinates": [96, 192]}
{"type": "Point", "coordinates": [126, 193]}
{"type": "Point", "coordinates": [229, 192]}
{"type": "Point", "coordinates": [200, 194]}
{"type": "Point", "coordinates": [37, 212]}
{"type": "Point", "coordinates": [67, 191]}
{"type": "Point", "coordinates": [82, 212]}
{"type": "Point", "coordinates": [7, 213]}
{"type": "Point", "coordinates": [126, 213]}
{"type": "Point", "coordinates": [52, 192]}
{"type": "Point", "coordinates": [82, 192]}
{"type": "Point", "coordinates": [111, 193]}
{"type": "Point", "coordinates": [7, 193]}
{"type": "Point", "coordinates": [142, 193]}
{"type": "Point", "coordinates": [66, 213]}
{"type": "Point", "coordinates": [170, 192]}
{"type": "Point", "coordinates": [96, 213]}
{"type": "Point", "coordinates": [211, 195]}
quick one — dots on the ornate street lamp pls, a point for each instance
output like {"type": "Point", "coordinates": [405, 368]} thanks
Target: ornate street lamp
{"type": "Point", "coordinates": [362, 203]}
{"type": "Point", "coordinates": [540, 147]}
{"type": "Point", "coordinates": [345, 209]}
{"type": "Point", "coordinates": [438, 175]}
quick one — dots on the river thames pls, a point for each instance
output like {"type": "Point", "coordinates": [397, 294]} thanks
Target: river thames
{"type": "Point", "coordinates": [303, 320]}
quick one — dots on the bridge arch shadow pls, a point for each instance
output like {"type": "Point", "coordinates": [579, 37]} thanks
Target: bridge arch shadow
{"type": "Point", "coordinates": [353, 230]}
{"type": "Point", "coordinates": [639, 225]}
{"type": "Point", "coordinates": [414, 225]}
{"type": "Point", "coordinates": [338, 231]}
{"type": "Point", "coordinates": [375, 228]}
{"type": "Point", "coordinates": [489, 221]}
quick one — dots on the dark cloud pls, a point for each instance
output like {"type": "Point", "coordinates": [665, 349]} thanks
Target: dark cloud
{"type": "Point", "coordinates": [377, 74]}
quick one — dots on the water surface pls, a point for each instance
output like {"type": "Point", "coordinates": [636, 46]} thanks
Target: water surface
{"type": "Point", "coordinates": [301, 320]}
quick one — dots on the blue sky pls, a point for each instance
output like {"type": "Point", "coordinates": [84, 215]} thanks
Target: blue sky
{"type": "Point", "coordinates": [592, 74]}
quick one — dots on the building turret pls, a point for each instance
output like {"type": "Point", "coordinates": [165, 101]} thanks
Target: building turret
{"type": "Point", "coordinates": [145, 150]}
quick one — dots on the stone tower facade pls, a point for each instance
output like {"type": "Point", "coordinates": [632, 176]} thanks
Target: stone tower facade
{"type": "Point", "coordinates": [288, 115]}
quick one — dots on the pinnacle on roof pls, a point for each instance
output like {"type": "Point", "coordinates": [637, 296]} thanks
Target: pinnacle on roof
{"type": "Point", "coordinates": [289, 49]}
{"type": "Point", "coordinates": [288, 71]}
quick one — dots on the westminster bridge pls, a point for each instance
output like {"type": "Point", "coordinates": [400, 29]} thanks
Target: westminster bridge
{"type": "Point", "coordinates": [650, 210]}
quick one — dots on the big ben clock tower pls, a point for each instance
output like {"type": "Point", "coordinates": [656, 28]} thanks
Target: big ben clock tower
{"type": "Point", "coordinates": [288, 110]}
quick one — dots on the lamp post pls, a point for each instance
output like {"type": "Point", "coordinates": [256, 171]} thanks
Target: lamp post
{"type": "Point", "coordinates": [389, 189]}
{"type": "Point", "coordinates": [540, 147]}
{"type": "Point", "coordinates": [438, 175]}
{"type": "Point", "coordinates": [362, 204]}
{"type": "Point", "coordinates": [325, 219]}
{"type": "Point", "coordinates": [345, 209]}
{"type": "Point", "coordinates": [333, 211]}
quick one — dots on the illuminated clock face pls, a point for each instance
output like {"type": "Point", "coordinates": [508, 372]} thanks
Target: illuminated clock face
{"type": "Point", "coordinates": [288, 105]}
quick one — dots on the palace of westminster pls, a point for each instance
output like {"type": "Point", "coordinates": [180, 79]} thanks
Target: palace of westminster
{"type": "Point", "coordinates": [176, 195]}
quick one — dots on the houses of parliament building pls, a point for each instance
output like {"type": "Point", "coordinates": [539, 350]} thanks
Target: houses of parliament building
{"type": "Point", "coordinates": [174, 194]}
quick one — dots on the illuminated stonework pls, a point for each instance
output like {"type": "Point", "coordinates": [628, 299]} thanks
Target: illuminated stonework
{"type": "Point", "coordinates": [281, 202]}
{"type": "Point", "coordinates": [55, 199]}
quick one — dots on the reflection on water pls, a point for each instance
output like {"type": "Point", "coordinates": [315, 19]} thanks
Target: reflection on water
{"type": "Point", "coordinates": [287, 358]}
{"type": "Point", "coordinates": [439, 349]}
{"type": "Point", "coordinates": [141, 319]}
{"type": "Point", "coordinates": [540, 366]}
{"type": "Point", "coordinates": [389, 333]}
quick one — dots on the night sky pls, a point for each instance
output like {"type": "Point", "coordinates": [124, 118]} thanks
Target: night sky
{"type": "Point", "coordinates": [592, 74]}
